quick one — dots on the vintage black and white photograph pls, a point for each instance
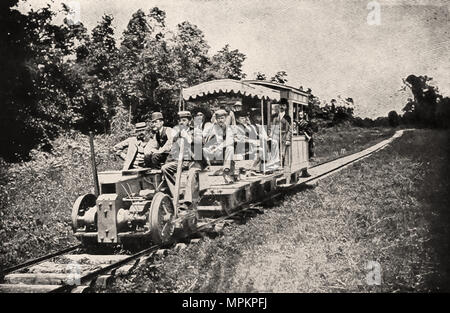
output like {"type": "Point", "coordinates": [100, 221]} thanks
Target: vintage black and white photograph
{"type": "Point", "coordinates": [223, 147]}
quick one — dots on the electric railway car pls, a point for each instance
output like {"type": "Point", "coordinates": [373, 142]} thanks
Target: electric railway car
{"type": "Point", "coordinates": [136, 204]}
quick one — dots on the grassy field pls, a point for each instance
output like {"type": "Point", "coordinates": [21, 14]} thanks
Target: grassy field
{"type": "Point", "coordinates": [36, 197]}
{"type": "Point", "coordinates": [391, 208]}
{"type": "Point", "coordinates": [342, 140]}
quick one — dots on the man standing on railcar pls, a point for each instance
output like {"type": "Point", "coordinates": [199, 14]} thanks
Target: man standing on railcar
{"type": "Point", "coordinates": [305, 128]}
{"type": "Point", "coordinates": [159, 147]}
{"type": "Point", "coordinates": [281, 136]}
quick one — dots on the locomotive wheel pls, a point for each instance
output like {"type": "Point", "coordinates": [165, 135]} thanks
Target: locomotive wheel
{"type": "Point", "coordinates": [160, 217]}
{"type": "Point", "coordinates": [81, 205]}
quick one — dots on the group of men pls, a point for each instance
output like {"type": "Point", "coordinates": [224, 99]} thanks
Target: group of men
{"type": "Point", "coordinates": [231, 135]}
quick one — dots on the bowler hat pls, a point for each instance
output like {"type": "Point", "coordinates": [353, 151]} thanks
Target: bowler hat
{"type": "Point", "coordinates": [184, 114]}
{"type": "Point", "coordinates": [157, 116]}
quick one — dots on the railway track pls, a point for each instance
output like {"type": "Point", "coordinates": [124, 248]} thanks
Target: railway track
{"type": "Point", "coordinates": [65, 271]}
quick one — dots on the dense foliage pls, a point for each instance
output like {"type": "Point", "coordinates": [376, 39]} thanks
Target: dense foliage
{"type": "Point", "coordinates": [428, 108]}
{"type": "Point", "coordinates": [61, 77]}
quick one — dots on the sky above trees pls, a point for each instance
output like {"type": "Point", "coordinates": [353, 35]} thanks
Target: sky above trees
{"type": "Point", "coordinates": [324, 45]}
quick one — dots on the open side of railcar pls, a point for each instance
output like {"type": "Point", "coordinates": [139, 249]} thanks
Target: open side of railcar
{"type": "Point", "coordinates": [219, 198]}
{"type": "Point", "coordinates": [297, 100]}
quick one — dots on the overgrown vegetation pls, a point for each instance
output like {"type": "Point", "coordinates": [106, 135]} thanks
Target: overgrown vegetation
{"type": "Point", "coordinates": [321, 239]}
{"type": "Point", "coordinates": [36, 197]}
{"type": "Point", "coordinates": [61, 77]}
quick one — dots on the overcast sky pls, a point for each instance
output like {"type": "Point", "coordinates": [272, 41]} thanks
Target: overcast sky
{"type": "Point", "coordinates": [324, 45]}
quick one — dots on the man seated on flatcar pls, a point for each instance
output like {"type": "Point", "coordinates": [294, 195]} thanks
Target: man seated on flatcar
{"type": "Point", "coordinates": [242, 136]}
{"type": "Point", "coordinates": [231, 111]}
{"type": "Point", "coordinates": [201, 128]}
{"type": "Point", "coordinates": [134, 158]}
{"type": "Point", "coordinates": [219, 145]}
{"type": "Point", "coordinates": [262, 153]}
{"type": "Point", "coordinates": [200, 121]}
{"type": "Point", "coordinates": [242, 142]}
{"type": "Point", "coordinates": [183, 131]}
{"type": "Point", "coordinates": [159, 147]}
{"type": "Point", "coordinates": [249, 143]}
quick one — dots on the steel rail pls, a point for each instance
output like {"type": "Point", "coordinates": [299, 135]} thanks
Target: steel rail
{"type": "Point", "coordinates": [37, 260]}
{"type": "Point", "coordinates": [346, 155]}
{"type": "Point", "coordinates": [89, 277]}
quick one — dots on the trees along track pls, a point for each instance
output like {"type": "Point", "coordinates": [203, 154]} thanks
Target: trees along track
{"type": "Point", "coordinates": [77, 273]}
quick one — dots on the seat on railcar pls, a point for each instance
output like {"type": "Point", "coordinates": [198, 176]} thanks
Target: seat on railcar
{"type": "Point", "coordinates": [141, 171]}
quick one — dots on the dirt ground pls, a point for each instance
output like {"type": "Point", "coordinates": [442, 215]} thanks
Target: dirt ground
{"type": "Point", "coordinates": [380, 225]}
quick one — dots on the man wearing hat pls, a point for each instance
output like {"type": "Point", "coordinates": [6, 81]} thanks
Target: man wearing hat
{"type": "Point", "coordinates": [134, 158]}
{"type": "Point", "coordinates": [183, 131]}
{"type": "Point", "coordinates": [217, 139]}
{"type": "Point", "coordinates": [262, 154]}
{"type": "Point", "coordinates": [305, 128]}
{"type": "Point", "coordinates": [231, 111]}
{"type": "Point", "coordinates": [243, 135]}
{"type": "Point", "coordinates": [160, 145]}
{"type": "Point", "coordinates": [281, 135]}
{"type": "Point", "coordinates": [251, 140]}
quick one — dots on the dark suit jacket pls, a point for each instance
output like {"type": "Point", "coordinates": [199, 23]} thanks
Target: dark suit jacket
{"type": "Point", "coordinates": [286, 134]}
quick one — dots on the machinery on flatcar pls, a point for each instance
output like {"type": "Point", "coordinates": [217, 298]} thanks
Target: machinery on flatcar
{"type": "Point", "coordinates": [132, 206]}
{"type": "Point", "coordinates": [135, 205]}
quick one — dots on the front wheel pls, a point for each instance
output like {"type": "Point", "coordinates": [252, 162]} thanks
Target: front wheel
{"type": "Point", "coordinates": [80, 207]}
{"type": "Point", "coordinates": [161, 216]}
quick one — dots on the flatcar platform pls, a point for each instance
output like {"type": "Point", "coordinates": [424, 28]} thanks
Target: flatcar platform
{"type": "Point", "coordinates": [219, 197]}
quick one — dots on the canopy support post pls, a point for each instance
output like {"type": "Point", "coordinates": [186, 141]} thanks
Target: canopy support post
{"type": "Point", "coordinates": [262, 129]}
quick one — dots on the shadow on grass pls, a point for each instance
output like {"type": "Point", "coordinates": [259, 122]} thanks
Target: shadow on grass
{"type": "Point", "coordinates": [433, 194]}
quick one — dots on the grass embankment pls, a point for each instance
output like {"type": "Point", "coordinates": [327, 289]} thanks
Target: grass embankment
{"type": "Point", "coordinates": [391, 208]}
{"type": "Point", "coordinates": [36, 197]}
